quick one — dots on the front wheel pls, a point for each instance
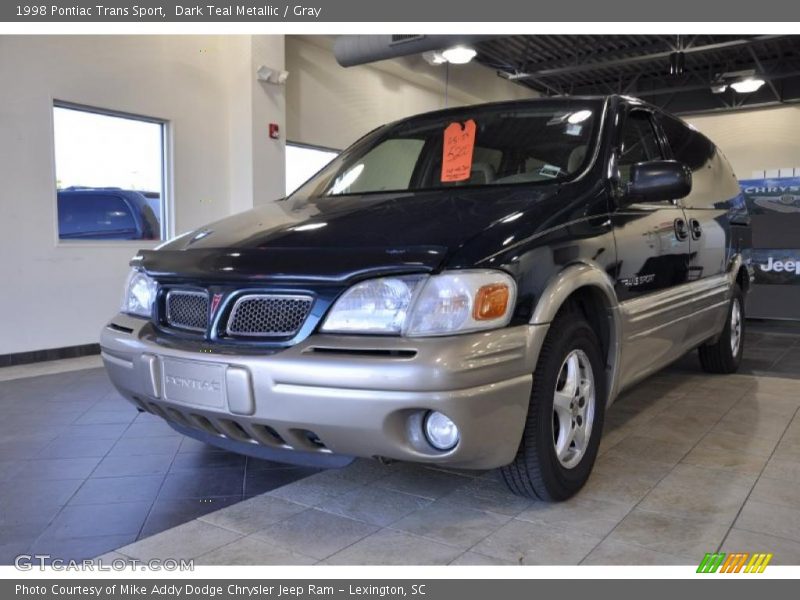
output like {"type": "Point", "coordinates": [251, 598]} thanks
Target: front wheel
{"type": "Point", "coordinates": [565, 416]}
{"type": "Point", "coordinates": [725, 354]}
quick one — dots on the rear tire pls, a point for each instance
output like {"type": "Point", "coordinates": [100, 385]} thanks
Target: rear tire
{"type": "Point", "coordinates": [724, 355]}
{"type": "Point", "coordinates": [568, 396]}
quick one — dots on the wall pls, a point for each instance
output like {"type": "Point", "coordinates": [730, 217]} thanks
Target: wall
{"type": "Point", "coordinates": [331, 106]}
{"type": "Point", "coordinates": [59, 294]}
{"type": "Point", "coordinates": [754, 140]}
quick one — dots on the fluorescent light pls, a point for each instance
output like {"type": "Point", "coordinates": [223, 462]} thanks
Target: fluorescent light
{"type": "Point", "coordinates": [434, 57]}
{"type": "Point", "coordinates": [309, 227]}
{"type": "Point", "coordinates": [579, 116]}
{"type": "Point", "coordinates": [747, 86]}
{"type": "Point", "coordinates": [459, 55]}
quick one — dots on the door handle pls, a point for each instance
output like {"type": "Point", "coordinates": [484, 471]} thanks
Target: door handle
{"type": "Point", "coordinates": [697, 230]}
{"type": "Point", "coordinates": [681, 229]}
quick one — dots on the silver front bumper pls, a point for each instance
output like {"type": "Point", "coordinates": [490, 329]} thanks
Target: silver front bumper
{"type": "Point", "coordinates": [335, 396]}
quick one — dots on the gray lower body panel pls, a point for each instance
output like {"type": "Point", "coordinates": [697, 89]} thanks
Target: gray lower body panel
{"type": "Point", "coordinates": [341, 396]}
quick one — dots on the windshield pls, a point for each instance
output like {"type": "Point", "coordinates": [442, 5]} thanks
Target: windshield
{"type": "Point", "coordinates": [541, 141]}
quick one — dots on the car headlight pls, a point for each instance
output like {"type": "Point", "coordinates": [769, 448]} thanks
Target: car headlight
{"type": "Point", "coordinates": [449, 303]}
{"type": "Point", "coordinates": [140, 293]}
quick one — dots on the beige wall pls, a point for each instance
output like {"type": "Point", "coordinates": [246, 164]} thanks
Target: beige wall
{"type": "Point", "coordinates": [328, 105]}
{"type": "Point", "coordinates": [60, 294]}
{"type": "Point", "coordinates": [755, 140]}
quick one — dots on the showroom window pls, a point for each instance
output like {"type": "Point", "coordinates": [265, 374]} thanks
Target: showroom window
{"type": "Point", "coordinates": [110, 175]}
{"type": "Point", "coordinates": [303, 162]}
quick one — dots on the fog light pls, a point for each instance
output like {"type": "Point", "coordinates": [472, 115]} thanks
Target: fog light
{"type": "Point", "coordinates": [441, 432]}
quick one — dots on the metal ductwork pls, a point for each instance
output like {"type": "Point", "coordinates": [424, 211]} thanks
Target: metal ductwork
{"type": "Point", "coordinates": [352, 50]}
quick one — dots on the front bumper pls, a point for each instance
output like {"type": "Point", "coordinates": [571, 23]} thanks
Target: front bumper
{"type": "Point", "coordinates": [331, 398]}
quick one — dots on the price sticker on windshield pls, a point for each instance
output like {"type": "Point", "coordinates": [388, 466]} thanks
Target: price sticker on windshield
{"type": "Point", "coordinates": [459, 141]}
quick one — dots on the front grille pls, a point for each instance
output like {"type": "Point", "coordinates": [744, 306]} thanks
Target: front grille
{"type": "Point", "coordinates": [187, 309]}
{"type": "Point", "coordinates": [262, 315]}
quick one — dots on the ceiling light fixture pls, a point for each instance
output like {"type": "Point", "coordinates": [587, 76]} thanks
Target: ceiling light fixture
{"type": "Point", "coordinates": [747, 86]}
{"type": "Point", "coordinates": [579, 117]}
{"type": "Point", "coordinates": [434, 57]}
{"type": "Point", "coordinates": [459, 55]}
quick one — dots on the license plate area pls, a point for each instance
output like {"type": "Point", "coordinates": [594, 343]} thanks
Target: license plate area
{"type": "Point", "coordinates": [193, 383]}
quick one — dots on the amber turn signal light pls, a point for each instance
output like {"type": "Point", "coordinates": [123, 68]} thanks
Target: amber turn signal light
{"type": "Point", "coordinates": [491, 302]}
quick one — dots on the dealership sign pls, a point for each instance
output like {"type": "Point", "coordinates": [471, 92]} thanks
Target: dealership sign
{"type": "Point", "coordinates": [776, 267]}
{"type": "Point", "coordinates": [781, 195]}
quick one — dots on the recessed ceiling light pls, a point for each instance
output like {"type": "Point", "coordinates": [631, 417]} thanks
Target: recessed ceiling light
{"type": "Point", "coordinates": [459, 55]}
{"type": "Point", "coordinates": [747, 86]}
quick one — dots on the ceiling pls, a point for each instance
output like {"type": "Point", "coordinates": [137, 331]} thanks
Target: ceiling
{"type": "Point", "coordinates": [639, 65]}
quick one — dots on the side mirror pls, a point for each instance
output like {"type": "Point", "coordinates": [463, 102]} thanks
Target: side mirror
{"type": "Point", "coordinates": [658, 180]}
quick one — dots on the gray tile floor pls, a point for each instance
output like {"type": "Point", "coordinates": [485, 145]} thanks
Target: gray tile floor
{"type": "Point", "coordinates": [81, 472]}
{"type": "Point", "coordinates": [689, 463]}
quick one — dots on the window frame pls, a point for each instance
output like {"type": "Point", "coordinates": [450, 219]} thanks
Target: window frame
{"type": "Point", "coordinates": [658, 134]}
{"type": "Point", "coordinates": [166, 207]}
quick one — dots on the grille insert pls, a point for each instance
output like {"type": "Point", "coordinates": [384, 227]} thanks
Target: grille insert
{"type": "Point", "coordinates": [262, 315]}
{"type": "Point", "coordinates": [187, 309]}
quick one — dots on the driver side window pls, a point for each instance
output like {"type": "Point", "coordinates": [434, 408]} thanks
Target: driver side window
{"type": "Point", "coordinates": [639, 143]}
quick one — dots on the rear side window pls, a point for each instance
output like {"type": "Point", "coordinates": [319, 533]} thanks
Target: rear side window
{"type": "Point", "coordinates": [95, 217]}
{"type": "Point", "coordinates": [713, 183]}
{"type": "Point", "coordinates": [687, 145]}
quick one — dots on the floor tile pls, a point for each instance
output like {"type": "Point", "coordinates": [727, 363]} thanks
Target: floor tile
{"type": "Point", "coordinates": [113, 490]}
{"type": "Point", "coordinates": [253, 514]}
{"type": "Point", "coordinates": [488, 495]}
{"type": "Point", "coordinates": [786, 470]}
{"type": "Point", "coordinates": [525, 543]}
{"type": "Point", "coordinates": [98, 520]}
{"type": "Point", "coordinates": [253, 551]}
{"type": "Point", "coordinates": [373, 505]}
{"type": "Point", "coordinates": [785, 552]}
{"type": "Point", "coordinates": [669, 534]}
{"type": "Point", "coordinates": [80, 548]}
{"type": "Point", "coordinates": [777, 491]}
{"type": "Point", "coordinates": [389, 547]}
{"type": "Point", "coordinates": [610, 552]}
{"type": "Point", "coordinates": [580, 514]}
{"type": "Point", "coordinates": [203, 483]}
{"type": "Point", "coordinates": [453, 525]}
{"type": "Point", "coordinates": [167, 513]}
{"type": "Point", "coordinates": [470, 558]}
{"type": "Point", "coordinates": [137, 465]}
{"type": "Point", "coordinates": [422, 482]}
{"type": "Point", "coordinates": [315, 533]}
{"type": "Point", "coordinates": [45, 469]}
{"type": "Point", "coordinates": [771, 519]}
{"type": "Point", "coordinates": [186, 541]}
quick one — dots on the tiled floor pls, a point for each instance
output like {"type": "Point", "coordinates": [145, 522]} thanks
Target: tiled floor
{"type": "Point", "coordinates": [81, 472]}
{"type": "Point", "coordinates": [690, 463]}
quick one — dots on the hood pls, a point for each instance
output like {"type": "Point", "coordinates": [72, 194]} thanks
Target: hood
{"type": "Point", "coordinates": [342, 238]}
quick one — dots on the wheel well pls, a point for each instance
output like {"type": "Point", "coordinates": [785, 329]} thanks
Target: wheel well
{"type": "Point", "coordinates": [594, 306]}
{"type": "Point", "coordinates": [743, 279]}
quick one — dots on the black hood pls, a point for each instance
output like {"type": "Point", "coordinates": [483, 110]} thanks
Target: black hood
{"type": "Point", "coordinates": [347, 237]}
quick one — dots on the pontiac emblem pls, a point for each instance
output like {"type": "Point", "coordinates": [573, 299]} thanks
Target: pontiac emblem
{"type": "Point", "coordinates": [215, 300]}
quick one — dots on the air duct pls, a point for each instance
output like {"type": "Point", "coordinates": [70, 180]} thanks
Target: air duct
{"type": "Point", "coordinates": [353, 50]}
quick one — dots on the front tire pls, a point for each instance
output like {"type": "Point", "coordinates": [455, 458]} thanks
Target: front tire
{"type": "Point", "coordinates": [565, 417]}
{"type": "Point", "coordinates": [724, 355]}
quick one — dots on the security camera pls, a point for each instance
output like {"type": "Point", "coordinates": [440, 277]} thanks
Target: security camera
{"type": "Point", "coordinates": [270, 75]}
